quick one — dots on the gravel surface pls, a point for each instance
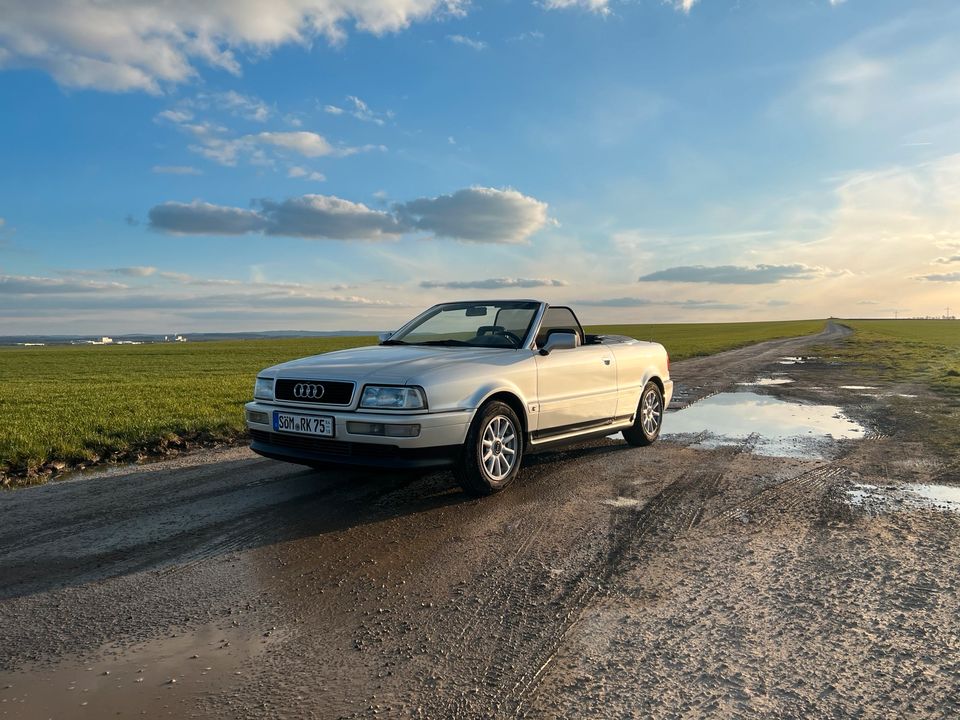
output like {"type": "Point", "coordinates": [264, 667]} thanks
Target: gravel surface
{"type": "Point", "coordinates": [607, 582]}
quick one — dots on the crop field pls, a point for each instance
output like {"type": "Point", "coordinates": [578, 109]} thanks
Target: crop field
{"type": "Point", "coordinates": [920, 350]}
{"type": "Point", "coordinates": [83, 404]}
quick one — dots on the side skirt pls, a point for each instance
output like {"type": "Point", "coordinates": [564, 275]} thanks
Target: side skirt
{"type": "Point", "coordinates": [545, 440]}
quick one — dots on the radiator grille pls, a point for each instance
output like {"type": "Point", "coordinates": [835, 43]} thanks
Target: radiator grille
{"type": "Point", "coordinates": [322, 392]}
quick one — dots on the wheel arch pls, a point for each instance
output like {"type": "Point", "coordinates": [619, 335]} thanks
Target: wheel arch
{"type": "Point", "coordinates": [511, 398]}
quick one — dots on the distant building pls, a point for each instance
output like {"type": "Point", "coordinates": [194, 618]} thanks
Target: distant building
{"type": "Point", "coordinates": [180, 338]}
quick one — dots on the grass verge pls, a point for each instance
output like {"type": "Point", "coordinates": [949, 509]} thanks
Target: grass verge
{"type": "Point", "coordinates": [70, 406]}
{"type": "Point", "coordinates": [922, 352]}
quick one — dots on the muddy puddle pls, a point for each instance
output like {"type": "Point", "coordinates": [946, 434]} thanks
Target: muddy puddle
{"type": "Point", "coordinates": [771, 426]}
{"type": "Point", "coordinates": [920, 496]}
{"type": "Point", "coordinates": [796, 360]}
{"type": "Point", "coordinates": [171, 672]}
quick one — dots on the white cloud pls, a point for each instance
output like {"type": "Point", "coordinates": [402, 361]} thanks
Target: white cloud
{"type": "Point", "coordinates": [200, 218]}
{"type": "Point", "coordinates": [687, 5]}
{"type": "Point", "coordinates": [245, 106]}
{"type": "Point", "coordinates": [176, 170]}
{"type": "Point", "coordinates": [901, 76]}
{"type": "Point", "coordinates": [139, 45]}
{"type": "Point", "coordinates": [310, 216]}
{"type": "Point", "coordinates": [601, 7]}
{"type": "Point", "coordinates": [328, 217]}
{"type": "Point", "coordinates": [299, 172]}
{"type": "Point", "coordinates": [216, 143]}
{"type": "Point", "coordinates": [360, 110]}
{"type": "Point", "coordinates": [638, 302]}
{"type": "Point", "coordinates": [304, 143]}
{"type": "Point", "coordinates": [134, 271]}
{"type": "Point", "coordinates": [469, 42]}
{"type": "Point", "coordinates": [733, 274]}
{"type": "Point", "coordinates": [31, 285]}
{"type": "Point", "coordinates": [482, 215]}
{"type": "Point", "coordinates": [529, 35]}
{"type": "Point", "coordinates": [477, 214]}
{"type": "Point", "coordinates": [493, 283]}
{"type": "Point", "coordinates": [175, 116]}
{"type": "Point", "coordinates": [941, 277]}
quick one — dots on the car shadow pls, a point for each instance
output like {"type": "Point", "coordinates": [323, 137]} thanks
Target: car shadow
{"type": "Point", "coordinates": [74, 533]}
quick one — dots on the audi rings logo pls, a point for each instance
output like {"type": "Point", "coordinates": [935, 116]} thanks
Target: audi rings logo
{"type": "Point", "coordinates": [308, 391]}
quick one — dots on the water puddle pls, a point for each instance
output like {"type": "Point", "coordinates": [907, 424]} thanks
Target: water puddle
{"type": "Point", "coordinates": [768, 381]}
{"type": "Point", "coordinates": [875, 499]}
{"type": "Point", "coordinates": [172, 672]}
{"type": "Point", "coordinates": [858, 387]}
{"type": "Point", "coordinates": [795, 360]}
{"type": "Point", "coordinates": [771, 426]}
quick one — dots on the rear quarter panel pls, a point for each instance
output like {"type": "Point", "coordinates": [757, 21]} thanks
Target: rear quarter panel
{"type": "Point", "coordinates": [637, 363]}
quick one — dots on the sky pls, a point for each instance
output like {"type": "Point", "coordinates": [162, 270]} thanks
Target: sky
{"type": "Point", "coordinates": [230, 165]}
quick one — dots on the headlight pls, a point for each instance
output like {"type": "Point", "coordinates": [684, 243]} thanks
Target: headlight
{"type": "Point", "coordinates": [381, 397]}
{"type": "Point", "coordinates": [263, 389]}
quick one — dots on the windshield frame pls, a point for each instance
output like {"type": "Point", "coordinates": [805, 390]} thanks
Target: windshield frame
{"type": "Point", "coordinates": [526, 340]}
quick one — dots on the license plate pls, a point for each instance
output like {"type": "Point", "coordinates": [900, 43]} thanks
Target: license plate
{"type": "Point", "coordinates": [303, 424]}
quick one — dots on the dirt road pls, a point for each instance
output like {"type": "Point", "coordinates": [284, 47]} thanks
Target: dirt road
{"type": "Point", "coordinates": [686, 579]}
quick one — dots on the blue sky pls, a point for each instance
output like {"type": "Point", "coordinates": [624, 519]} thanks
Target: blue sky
{"type": "Point", "coordinates": [313, 164]}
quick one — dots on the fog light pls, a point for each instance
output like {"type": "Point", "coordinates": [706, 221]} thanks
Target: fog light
{"type": "Point", "coordinates": [402, 430]}
{"type": "Point", "coordinates": [255, 416]}
{"type": "Point", "coordinates": [383, 429]}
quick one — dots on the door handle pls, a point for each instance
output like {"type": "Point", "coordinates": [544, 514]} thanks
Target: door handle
{"type": "Point", "coordinates": [606, 361]}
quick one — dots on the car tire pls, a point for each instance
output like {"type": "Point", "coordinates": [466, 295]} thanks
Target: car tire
{"type": "Point", "coordinates": [649, 419]}
{"type": "Point", "coordinates": [491, 455]}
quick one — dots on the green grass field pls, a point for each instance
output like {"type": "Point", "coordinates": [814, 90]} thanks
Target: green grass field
{"type": "Point", "coordinates": [79, 404]}
{"type": "Point", "coordinates": [925, 351]}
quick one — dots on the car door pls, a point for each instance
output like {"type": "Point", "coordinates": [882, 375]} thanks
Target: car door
{"type": "Point", "coordinates": [576, 387]}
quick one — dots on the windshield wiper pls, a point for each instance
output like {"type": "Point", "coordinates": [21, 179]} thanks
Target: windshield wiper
{"type": "Point", "coordinates": [447, 343]}
{"type": "Point", "coordinates": [394, 342]}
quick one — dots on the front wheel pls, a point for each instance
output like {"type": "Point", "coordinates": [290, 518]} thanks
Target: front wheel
{"type": "Point", "coordinates": [491, 454]}
{"type": "Point", "coordinates": [646, 425]}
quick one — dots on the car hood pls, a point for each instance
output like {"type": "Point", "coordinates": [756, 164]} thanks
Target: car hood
{"type": "Point", "coordinates": [384, 363]}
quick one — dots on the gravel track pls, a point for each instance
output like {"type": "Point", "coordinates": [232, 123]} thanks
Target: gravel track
{"type": "Point", "coordinates": [607, 582]}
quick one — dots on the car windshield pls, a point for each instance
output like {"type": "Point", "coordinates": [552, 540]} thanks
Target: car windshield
{"type": "Point", "coordinates": [487, 324]}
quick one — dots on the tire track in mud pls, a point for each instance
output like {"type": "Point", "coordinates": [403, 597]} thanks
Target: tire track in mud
{"type": "Point", "coordinates": [518, 626]}
{"type": "Point", "coordinates": [787, 496]}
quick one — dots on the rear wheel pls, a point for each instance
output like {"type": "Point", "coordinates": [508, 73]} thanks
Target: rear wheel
{"type": "Point", "coordinates": [646, 425]}
{"type": "Point", "coordinates": [491, 454]}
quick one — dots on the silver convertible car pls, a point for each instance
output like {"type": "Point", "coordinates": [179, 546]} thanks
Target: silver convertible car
{"type": "Point", "coordinates": [471, 385]}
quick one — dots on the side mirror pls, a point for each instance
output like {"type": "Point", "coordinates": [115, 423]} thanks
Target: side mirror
{"type": "Point", "coordinates": [559, 341]}
{"type": "Point", "coordinates": [384, 336]}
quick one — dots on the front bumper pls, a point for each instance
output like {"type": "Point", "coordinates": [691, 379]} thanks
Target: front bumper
{"type": "Point", "coordinates": [438, 444]}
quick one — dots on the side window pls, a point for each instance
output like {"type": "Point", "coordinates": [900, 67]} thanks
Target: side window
{"type": "Point", "coordinates": [558, 318]}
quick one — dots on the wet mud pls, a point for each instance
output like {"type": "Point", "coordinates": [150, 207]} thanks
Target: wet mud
{"type": "Point", "coordinates": [694, 578]}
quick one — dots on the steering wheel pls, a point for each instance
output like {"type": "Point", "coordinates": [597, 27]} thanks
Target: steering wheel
{"type": "Point", "coordinates": [500, 331]}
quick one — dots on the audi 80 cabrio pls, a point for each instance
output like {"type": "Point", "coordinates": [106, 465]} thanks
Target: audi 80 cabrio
{"type": "Point", "coordinates": [470, 385]}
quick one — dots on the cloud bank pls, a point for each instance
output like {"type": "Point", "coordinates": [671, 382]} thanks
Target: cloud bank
{"type": "Point", "coordinates": [733, 274]}
{"type": "Point", "coordinates": [477, 214]}
{"type": "Point", "coordinates": [492, 283]}
{"type": "Point", "coordinates": [140, 45]}
{"type": "Point", "coordinates": [483, 215]}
